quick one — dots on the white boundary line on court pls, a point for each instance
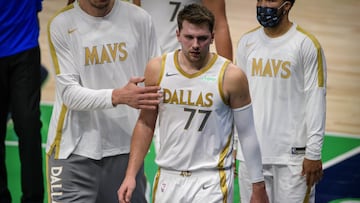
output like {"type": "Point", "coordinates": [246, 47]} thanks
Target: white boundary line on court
{"type": "Point", "coordinates": [336, 134]}
{"type": "Point", "coordinates": [50, 103]}
{"type": "Point", "coordinates": [344, 156]}
{"type": "Point", "coordinates": [16, 144]}
{"type": "Point", "coordinates": [341, 158]}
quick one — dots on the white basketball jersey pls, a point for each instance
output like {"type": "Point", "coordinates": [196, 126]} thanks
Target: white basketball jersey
{"type": "Point", "coordinates": [287, 82]}
{"type": "Point", "coordinates": [195, 122]}
{"type": "Point", "coordinates": [92, 56]}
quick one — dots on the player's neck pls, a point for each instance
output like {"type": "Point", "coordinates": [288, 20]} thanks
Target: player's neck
{"type": "Point", "coordinates": [192, 67]}
{"type": "Point", "coordinates": [279, 30]}
{"type": "Point", "coordinates": [96, 10]}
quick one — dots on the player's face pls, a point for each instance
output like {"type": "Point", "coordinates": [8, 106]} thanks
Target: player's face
{"type": "Point", "coordinates": [195, 41]}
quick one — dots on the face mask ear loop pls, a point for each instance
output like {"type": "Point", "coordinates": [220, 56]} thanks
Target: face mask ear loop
{"type": "Point", "coordinates": [285, 2]}
{"type": "Point", "coordinates": [284, 12]}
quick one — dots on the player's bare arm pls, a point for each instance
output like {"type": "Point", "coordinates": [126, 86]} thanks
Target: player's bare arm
{"type": "Point", "coordinates": [223, 42]}
{"type": "Point", "coordinates": [142, 135]}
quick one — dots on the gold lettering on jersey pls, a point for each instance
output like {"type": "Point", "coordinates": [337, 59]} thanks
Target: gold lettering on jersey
{"type": "Point", "coordinates": [92, 56]}
{"type": "Point", "coordinates": [174, 98]}
{"type": "Point", "coordinates": [200, 101]}
{"type": "Point", "coordinates": [184, 97]}
{"type": "Point", "coordinates": [104, 56]}
{"type": "Point", "coordinates": [55, 181]}
{"type": "Point", "coordinates": [109, 53]}
{"type": "Point", "coordinates": [267, 70]}
{"type": "Point", "coordinates": [276, 65]}
{"type": "Point", "coordinates": [191, 103]}
{"type": "Point", "coordinates": [182, 101]}
{"type": "Point", "coordinates": [122, 50]}
{"type": "Point", "coordinates": [286, 68]}
{"type": "Point", "coordinates": [112, 50]}
{"type": "Point", "coordinates": [271, 68]}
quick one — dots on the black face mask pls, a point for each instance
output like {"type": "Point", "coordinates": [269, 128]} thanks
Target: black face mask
{"type": "Point", "coordinates": [267, 16]}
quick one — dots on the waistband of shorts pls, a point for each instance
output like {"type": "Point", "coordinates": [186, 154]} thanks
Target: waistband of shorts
{"type": "Point", "coordinates": [200, 172]}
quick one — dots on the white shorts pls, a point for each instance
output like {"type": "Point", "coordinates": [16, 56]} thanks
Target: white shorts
{"type": "Point", "coordinates": [284, 184]}
{"type": "Point", "coordinates": [208, 186]}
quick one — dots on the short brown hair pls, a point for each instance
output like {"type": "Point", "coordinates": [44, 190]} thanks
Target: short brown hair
{"type": "Point", "coordinates": [196, 14]}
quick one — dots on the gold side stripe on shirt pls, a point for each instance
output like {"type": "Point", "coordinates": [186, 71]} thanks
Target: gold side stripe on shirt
{"type": "Point", "coordinates": [221, 164]}
{"type": "Point", "coordinates": [156, 183]}
{"type": "Point", "coordinates": [51, 45]}
{"type": "Point", "coordinates": [320, 69]}
{"type": "Point", "coordinates": [56, 144]}
{"type": "Point", "coordinates": [163, 60]}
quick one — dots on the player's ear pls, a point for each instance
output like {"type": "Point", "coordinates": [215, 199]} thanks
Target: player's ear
{"type": "Point", "coordinates": [177, 34]}
{"type": "Point", "coordinates": [287, 6]}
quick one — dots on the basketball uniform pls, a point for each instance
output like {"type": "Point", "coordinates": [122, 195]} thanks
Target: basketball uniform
{"type": "Point", "coordinates": [287, 82]}
{"type": "Point", "coordinates": [92, 56]}
{"type": "Point", "coordinates": [196, 134]}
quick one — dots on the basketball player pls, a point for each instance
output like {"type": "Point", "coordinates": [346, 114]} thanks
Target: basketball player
{"type": "Point", "coordinates": [204, 95]}
{"type": "Point", "coordinates": [164, 14]}
{"type": "Point", "coordinates": [97, 48]}
{"type": "Point", "coordinates": [286, 69]}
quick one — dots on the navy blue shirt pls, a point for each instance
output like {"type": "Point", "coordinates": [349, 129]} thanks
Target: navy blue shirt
{"type": "Point", "coordinates": [19, 26]}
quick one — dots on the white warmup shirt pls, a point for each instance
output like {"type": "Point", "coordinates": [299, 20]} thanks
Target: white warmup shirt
{"type": "Point", "coordinates": [287, 81]}
{"type": "Point", "coordinates": [92, 56]}
{"type": "Point", "coordinates": [196, 124]}
{"type": "Point", "coordinates": [164, 14]}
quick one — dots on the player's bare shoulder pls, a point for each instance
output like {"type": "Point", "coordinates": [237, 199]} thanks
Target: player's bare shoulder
{"type": "Point", "coordinates": [153, 71]}
{"type": "Point", "coordinates": [235, 77]}
{"type": "Point", "coordinates": [236, 86]}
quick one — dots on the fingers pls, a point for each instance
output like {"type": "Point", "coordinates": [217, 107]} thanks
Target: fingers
{"type": "Point", "coordinates": [124, 195]}
{"type": "Point", "coordinates": [121, 196]}
{"type": "Point", "coordinates": [128, 197]}
{"type": "Point", "coordinates": [149, 101]}
{"type": "Point", "coordinates": [149, 92]}
{"type": "Point", "coordinates": [310, 179]}
{"type": "Point", "coordinates": [317, 176]}
{"type": "Point", "coordinates": [149, 98]}
{"type": "Point", "coordinates": [150, 89]}
{"type": "Point", "coordinates": [313, 177]}
{"type": "Point", "coordinates": [137, 96]}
